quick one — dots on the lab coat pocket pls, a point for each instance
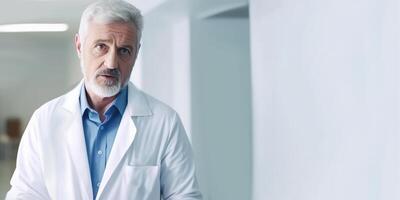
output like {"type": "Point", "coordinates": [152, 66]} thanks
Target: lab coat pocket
{"type": "Point", "coordinates": [143, 181]}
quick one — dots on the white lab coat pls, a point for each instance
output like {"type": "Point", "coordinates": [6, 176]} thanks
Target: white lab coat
{"type": "Point", "coordinates": [150, 159]}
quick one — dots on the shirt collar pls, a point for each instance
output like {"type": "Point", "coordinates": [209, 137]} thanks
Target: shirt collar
{"type": "Point", "coordinates": [119, 102]}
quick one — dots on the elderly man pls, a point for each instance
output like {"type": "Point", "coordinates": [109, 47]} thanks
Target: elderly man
{"type": "Point", "coordinates": [105, 139]}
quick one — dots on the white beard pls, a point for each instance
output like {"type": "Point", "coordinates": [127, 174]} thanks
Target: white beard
{"type": "Point", "coordinates": [109, 89]}
{"type": "Point", "coordinates": [102, 90]}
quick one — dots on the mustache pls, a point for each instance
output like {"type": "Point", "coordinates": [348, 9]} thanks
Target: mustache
{"type": "Point", "coordinates": [109, 72]}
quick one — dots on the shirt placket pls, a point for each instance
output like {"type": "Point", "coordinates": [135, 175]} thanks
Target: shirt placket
{"type": "Point", "coordinates": [99, 151]}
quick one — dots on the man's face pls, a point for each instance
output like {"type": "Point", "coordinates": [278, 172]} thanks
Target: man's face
{"type": "Point", "coordinates": [107, 56]}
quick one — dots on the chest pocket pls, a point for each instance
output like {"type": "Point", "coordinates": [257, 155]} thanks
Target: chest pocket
{"type": "Point", "coordinates": [143, 181]}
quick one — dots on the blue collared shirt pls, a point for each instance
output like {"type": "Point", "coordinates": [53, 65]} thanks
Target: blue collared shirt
{"type": "Point", "coordinates": [99, 136]}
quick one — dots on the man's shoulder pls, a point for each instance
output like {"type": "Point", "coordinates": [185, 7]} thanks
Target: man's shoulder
{"type": "Point", "coordinates": [51, 105]}
{"type": "Point", "coordinates": [156, 106]}
{"type": "Point", "coordinates": [55, 104]}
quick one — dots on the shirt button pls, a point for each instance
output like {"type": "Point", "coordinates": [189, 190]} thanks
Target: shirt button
{"type": "Point", "coordinates": [98, 184]}
{"type": "Point", "coordinates": [99, 152]}
{"type": "Point", "coordinates": [101, 127]}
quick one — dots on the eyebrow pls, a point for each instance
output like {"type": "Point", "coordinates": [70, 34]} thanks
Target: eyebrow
{"type": "Point", "coordinates": [102, 41]}
{"type": "Point", "coordinates": [110, 41]}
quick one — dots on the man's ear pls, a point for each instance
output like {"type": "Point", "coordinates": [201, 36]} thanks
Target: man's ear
{"type": "Point", "coordinates": [78, 45]}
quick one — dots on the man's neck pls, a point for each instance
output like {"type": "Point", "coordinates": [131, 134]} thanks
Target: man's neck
{"type": "Point", "coordinates": [99, 104]}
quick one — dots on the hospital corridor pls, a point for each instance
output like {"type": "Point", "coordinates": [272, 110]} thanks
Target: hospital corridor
{"type": "Point", "coordinates": [280, 99]}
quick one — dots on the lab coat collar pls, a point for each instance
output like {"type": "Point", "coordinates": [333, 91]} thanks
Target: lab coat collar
{"type": "Point", "coordinates": [137, 102]}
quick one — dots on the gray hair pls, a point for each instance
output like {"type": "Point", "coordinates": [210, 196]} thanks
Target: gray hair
{"type": "Point", "coordinates": [108, 11]}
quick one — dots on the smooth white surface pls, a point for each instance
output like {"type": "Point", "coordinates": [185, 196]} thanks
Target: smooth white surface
{"type": "Point", "coordinates": [204, 8]}
{"type": "Point", "coordinates": [34, 68]}
{"type": "Point", "coordinates": [181, 69]}
{"type": "Point", "coordinates": [325, 99]}
{"type": "Point", "coordinates": [221, 103]}
{"type": "Point", "coordinates": [165, 69]}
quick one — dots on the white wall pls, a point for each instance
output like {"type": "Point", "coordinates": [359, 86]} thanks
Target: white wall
{"type": "Point", "coordinates": [74, 74]}
{"type": "Point", "coordinates": [201, 67]}
{"type": "Point", "coordinates": [221, 104]}
{"type": "Point", "coordinates": [165, 62]}
{"type": "Point", "coordinates": [203, 8]}
{"type": "Point", "coordinates": [33, 71]}
{"type": "Point", "coordinates": [325, 84]}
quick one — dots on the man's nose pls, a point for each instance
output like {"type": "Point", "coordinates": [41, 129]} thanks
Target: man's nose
{"type": "Point", "coordinates": [111, 60]}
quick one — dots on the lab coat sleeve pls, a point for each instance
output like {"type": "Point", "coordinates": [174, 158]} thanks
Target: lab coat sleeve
{"type": "Point", "coordinates": [27, 181]}
{"type": "Point", "coordinates": [178, 179]}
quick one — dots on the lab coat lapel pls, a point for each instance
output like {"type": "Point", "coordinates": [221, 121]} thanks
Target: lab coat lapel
{"type": "Point", "coordinates": [137, 106]}
{"type": "Point", "coordinates": [123, 140]}
{"type": "Point", "coordinates": [76, 142]}
{"type": "Point", "coordinates": [77, 150]}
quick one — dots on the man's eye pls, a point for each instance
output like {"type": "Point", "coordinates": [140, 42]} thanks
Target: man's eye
{"type": "Point", "coordinates": [101, 47]}
{"type": "Point", "coordinates": [124, 51]}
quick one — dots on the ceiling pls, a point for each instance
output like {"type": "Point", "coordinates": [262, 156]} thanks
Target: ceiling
{"type": "Point", "coordinates": [20, 51]}
{"type": "Point", "coordinates": [55, 11]}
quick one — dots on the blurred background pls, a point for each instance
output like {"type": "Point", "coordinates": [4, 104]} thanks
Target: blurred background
{"type": "Point", "coordinates": [282, 99]}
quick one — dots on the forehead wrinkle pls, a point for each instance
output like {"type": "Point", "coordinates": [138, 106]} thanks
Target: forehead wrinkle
{"type": "Point", "coordinates": [111, 34]}
{"type": "Point", "coordinates": [103, 41]}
